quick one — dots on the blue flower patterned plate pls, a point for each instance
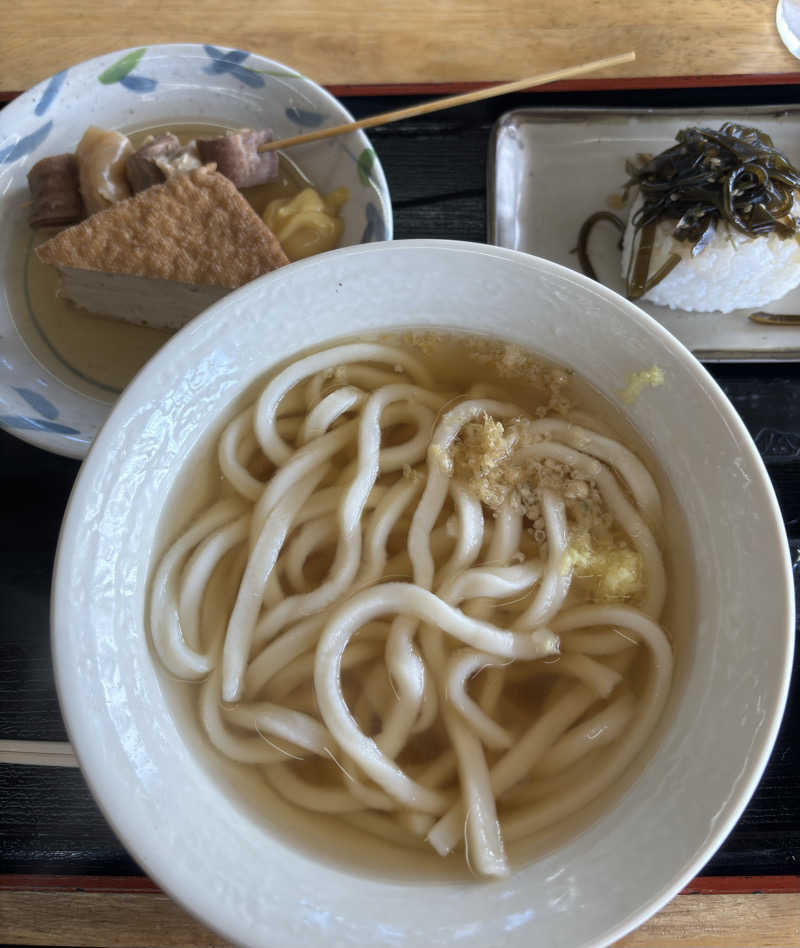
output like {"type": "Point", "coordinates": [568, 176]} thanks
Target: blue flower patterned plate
{"type": "Point", "coordinates": [57, 383]}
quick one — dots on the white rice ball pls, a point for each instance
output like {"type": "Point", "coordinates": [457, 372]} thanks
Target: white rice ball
{"type": "Point", "coordinates": [732, 272]}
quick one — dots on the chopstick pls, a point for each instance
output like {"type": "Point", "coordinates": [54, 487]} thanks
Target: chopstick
{"type": "Point", "coordinates": [38, 753]}
{"type": "Point", "coordinates": [451, 101]}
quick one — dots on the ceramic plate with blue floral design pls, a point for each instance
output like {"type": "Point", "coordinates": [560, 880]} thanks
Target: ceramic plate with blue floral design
{"type": "Point", "coordinates": [60, 368]}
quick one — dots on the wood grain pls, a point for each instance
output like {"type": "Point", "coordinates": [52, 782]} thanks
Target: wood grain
{"type": "Point", "coordinates": [409, 41]}
{"type": "Point", "coordinates": [100, 921]}
{"type": "Point", "coordinates": [136, 920]}
{"type": "Point", "coordinates": [721, 921]}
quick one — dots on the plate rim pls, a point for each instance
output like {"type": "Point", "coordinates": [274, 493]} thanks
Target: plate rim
{"type": "Point", "coordinates": [522, 115]}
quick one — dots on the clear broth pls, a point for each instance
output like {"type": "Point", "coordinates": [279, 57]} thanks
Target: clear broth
{"type": "Point", "coordinates": [457, 361]}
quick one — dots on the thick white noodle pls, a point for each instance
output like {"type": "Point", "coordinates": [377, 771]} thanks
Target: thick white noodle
{"type": "Point", "coordinates": [391, 507]}
{"type": "Point", "coordinates": [179, 657]}
{"type": "Point", "coordinates": [243, 749]}
{"type": "Point", "coordinates": [281, 652]}
{"type": "Point", "coordinates": [486, 582]}
{"type": "Point", "coordinates": [403, 663]}
{"type": "Point", "coordinates": [239, 635]}
{"type": "Point", "coordinates": [406, 667]}
{"type": "Point", "coordinates": [486, 849]}
{"type": "Point", "coordinates": [231, 447]}
{"type": "Point", "coordinates": [376, 696]}
{"type": "Point", "coordinates": [353, 691]}
{"type": "Point", "coordinates": [305, 461]}
{"type": "Point", "coordinates": [313, 537]}
{"type": "Point", "coordinates": [624, 513]}
{"type": "Point", "coordinates": [429, 709]}
{"type": "Point", "coordinates": [314, 390]}
{"type": "Point", "coordinates": [300, 671]}
{"type": "Point", "coordinates": [316, 531]}
{"type": "Point", "coordinates": [519, 760]}
{"type": "Point", "coordinates": [407, 675]}
{"type": "Point", "coordinates": [199, 569]}
{"type": "Point", "coordinates": [469, 537]}
{"type": "Point", "coordinates": [323, 799]}
{"type": "Point", "coordinates": [503, 546]}
{"type": "Point", "coordinates": [407, 599]}
{"type": "Point", "coordinates": [368, 377]}
{"type": "Point", "coordinates": [556, 580]}
{"type": "Point", "coordinates": [597, 731]}
{"type": "Point", "coordinates": [271, 443]}
{"type": "Point", "coordinates": [482, 825]}
{"type": "Point", "coordinates": [460, 668]}
{"type": "Point", "coordinates": [634, 474]}
{"type": "Point", "coordinates": [438, 482]}
{"type": "Point", "coordinates": [348, 551]}
{"type": "Point", "coordinates": [542, 734]}
{"type": "Point", "coordinates": [287, 724]}
{"type": "Point", "coordinates": [328, 411]}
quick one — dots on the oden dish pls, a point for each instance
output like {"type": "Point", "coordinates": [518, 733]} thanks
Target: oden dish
{"type": "Point", "coordinates": [263, 871]}
{"type": "Point", "coordinates": [425, 600]}
{"type": "Point", "coordinates": [153, 259]}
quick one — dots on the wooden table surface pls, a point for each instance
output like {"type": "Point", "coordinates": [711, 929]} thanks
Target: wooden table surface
{"type": "Point", "coordinates": [64, 879]}
{"type": "Point", "coordinates": [413, 42]}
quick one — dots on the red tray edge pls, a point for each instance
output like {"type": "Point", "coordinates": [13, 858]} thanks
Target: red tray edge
{"type": "Point", "coordinates": [702, 885]}
{"type": "Point", "coordinates": [569, 85]}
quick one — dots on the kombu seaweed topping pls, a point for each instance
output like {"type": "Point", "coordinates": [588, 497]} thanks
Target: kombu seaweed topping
{"type": "Point", "coordinates": [582, 248]}
{"type": "Point", "coordinates": [734, 175]}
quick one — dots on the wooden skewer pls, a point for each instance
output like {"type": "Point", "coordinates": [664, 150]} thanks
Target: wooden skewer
{"type": "Point", "coordinates": [37, 753]}
{"type": "Point", "coordinates": [451, 101]}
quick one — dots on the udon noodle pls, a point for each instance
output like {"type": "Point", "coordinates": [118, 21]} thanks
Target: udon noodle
{"type": "Point", "coordinates": [431, 613]}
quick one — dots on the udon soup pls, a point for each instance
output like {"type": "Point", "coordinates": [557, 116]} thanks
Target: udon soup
{"type": "Point", "coordinates": [423, 592]}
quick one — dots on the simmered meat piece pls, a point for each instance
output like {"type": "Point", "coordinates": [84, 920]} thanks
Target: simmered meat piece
{"type": "Point", "coordinates": [141, 168]}
{"type": "Point", "coordinates": [238, 158]}
{"type": "Point", "coordinates": [56, 194]}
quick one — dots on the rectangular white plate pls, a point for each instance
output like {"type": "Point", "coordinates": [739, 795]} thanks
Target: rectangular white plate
{"type": "Point", "coordinates": [551, 168]}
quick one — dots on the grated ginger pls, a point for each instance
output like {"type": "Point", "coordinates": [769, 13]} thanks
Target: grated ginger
{"type": "Point", "coordinates": [484, 459]}
{"type": "Point", "coordinates": [480, 460]}
{"type": "Point", "coordinates": [617, 571]}
{"type": "Point", "coordinates": [639, 381]}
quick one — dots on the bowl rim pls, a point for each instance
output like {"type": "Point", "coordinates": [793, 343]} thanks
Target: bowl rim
{"type": "Point", "coordinates": [67, 445]}
{"type": "Point", "coordinates": [75, 721]}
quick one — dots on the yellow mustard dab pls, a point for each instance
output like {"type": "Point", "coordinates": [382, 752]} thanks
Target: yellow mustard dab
{"type": "Point", "coordinates": [307, 223]}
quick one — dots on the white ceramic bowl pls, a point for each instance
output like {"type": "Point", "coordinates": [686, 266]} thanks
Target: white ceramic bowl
{"type": "Point", "coordinates": [46, 396]}
{"type": "Point", "coordinates": [157, 786]}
